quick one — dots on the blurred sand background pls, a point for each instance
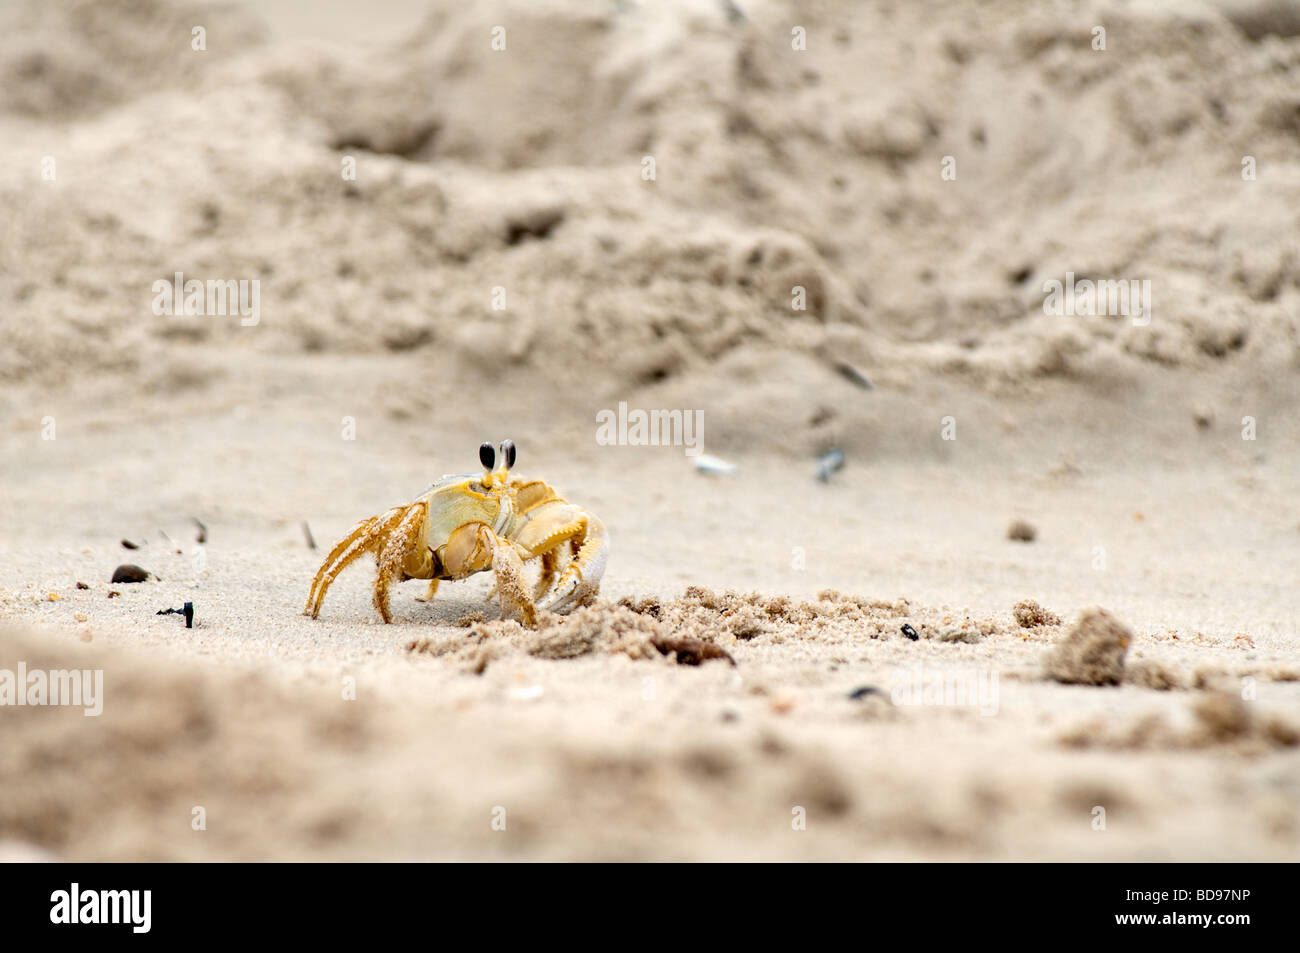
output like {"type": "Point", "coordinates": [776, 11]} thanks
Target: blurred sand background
{"type": "Point", "coordinates": [522, 169]}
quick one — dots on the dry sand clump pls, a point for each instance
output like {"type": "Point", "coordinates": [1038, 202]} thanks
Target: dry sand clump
{"type": "Point", "coordinates": [1215, 719]}
{"type": "Point", "coordinates": [1029, 614]}
{"type": "Point", "coordinates": [601, 628]}
{"type": "Point", "coordinates": [729, 617]}
{"type": "Point", "coordinates": [1157, 675]}
{"type": "Point", "coordinates": [699, 626]}
{"type": "Point", "coordinates": [604, 628]}
{"type": "Point", "coordinates": [1093, 651]}
{"type": "Point", "coordinates": [1153, 675]}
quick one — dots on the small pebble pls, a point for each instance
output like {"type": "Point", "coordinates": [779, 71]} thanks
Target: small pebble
{"type": "Point", "coordinates": [714, 466]}
{"type": "Point", "coordinates": [863, 691]}
{"type": "Point", "coordinates": [82, 585]}
{"type": "Point", "coordinates": [783, 703]}
{"type": "Point", "coordinates": [910, 632]}
{"type": "Point", "coordinates": [1022, 532]}
{"type": "Point", "coordinates": [855, 376]}
{"type": "Point", "coordinates": [828, 463]}
{"type": "Point", "coordinates": [128, 572]}
{"type": "Point", "coordinates": [127, 544]}
{"type": "Point", "coordinates": [733, 12]}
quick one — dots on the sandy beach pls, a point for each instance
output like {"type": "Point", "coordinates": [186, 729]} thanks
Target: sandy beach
{"type": "Point", "coordinates": [454, 243]}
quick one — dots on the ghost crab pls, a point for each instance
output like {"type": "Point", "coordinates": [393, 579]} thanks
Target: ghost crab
{"type": "Point", "coordinates": [469, 523]}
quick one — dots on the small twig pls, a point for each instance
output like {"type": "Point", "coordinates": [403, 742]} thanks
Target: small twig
{"type": "Point", "coordinates": [854, 376]}
{"type": "Point", "coordinates": [188, 612]}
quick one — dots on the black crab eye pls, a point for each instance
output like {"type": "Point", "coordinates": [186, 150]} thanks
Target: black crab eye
{"type": "Point", "coordinates": [487, 456]}
{"type": "Point", "coordinates": [508, 451]}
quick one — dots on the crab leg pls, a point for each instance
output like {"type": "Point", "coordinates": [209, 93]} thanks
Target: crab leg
{"type": "Point", "coordinates": [403, 541]}
{"type": "Point", "coordinates": [365, 537]}
{"type": "Point", "coordinates": [509, 570]}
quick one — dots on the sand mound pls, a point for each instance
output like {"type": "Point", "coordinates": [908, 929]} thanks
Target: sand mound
{"type": "Point", "coordinates": [225, 764]}
{"type": "Point", "coordinates": [170, 741]}
{"type": "Point", "coordinates": [522, 170]}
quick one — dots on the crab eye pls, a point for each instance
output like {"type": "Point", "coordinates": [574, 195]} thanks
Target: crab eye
{"type": "Point", "coordinates": [508, 451]}
{"type": "Point", "coordinates": [487, 456]}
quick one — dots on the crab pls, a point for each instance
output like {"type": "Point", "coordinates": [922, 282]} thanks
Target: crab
{"type": "Point", "coordinates": [468, 523]}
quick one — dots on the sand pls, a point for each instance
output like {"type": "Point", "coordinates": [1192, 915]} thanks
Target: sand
{"type": "Point", "coordinates": [748, 685]}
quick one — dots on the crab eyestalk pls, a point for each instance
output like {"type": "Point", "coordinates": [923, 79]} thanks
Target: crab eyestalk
{"type": "Point", "coordinates": [487, 456]}
{"type": "Point", "coordinates": [507, 461]}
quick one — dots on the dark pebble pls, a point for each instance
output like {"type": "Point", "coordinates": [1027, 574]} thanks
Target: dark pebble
{"type": "Point", "coordinates": [82, 585]}
{"type": "Point", "coordinates": [909, 631]}
{"type": "Point", "coordinates": [129, 573]}
{"type": "Point", "coordinates": [863, 691]}
{"type": "Point", "coordinates": [1022, 532]}
{"type": "Point", "coordinates": [127, 544]}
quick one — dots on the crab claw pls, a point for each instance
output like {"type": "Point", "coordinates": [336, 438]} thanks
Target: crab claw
{"type": "Point", "coordinates": [581, 577]}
